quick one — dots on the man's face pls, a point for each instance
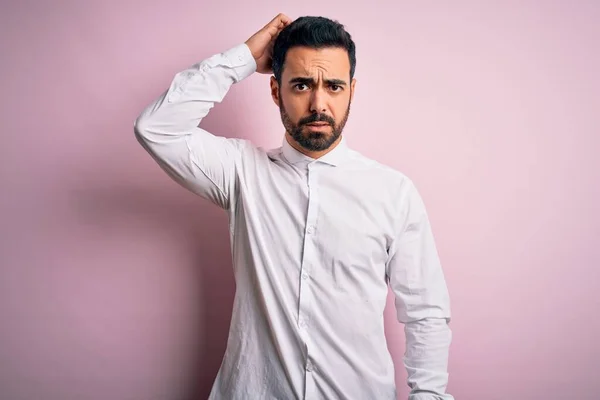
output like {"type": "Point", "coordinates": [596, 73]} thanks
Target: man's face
{"type": "Point", "coordinates": [314, 95]}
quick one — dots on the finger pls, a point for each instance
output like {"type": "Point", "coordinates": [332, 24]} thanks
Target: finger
{"type": "Point", "coordinates": [284, 20]}
{"type": "Point", "coordinates": [276, 25]}
{"type": "Point", "coordinates": [274, 21]}
{"type": "Point", "coordinates": [280, 21]}
{"type": "Point", "coordinates": [282, 24]}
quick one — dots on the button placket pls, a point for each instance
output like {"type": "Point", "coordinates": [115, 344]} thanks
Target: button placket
{"type": "Point", "coordinates": [309, 250]}
{"type": "Point", "coordinates": [308, 262]}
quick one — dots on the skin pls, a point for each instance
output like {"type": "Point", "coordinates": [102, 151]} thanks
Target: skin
{"type": "Point", "coordinates": [315, 87]}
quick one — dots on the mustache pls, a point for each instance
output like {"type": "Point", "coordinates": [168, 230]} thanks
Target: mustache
{"type": "Point", "coordinates": [317, 118]}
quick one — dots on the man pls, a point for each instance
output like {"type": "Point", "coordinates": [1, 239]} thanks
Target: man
{"type": "Point", "coordinates": [318, 231]}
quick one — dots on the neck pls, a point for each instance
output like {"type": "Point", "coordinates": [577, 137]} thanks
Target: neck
{"type": "Point", "coordinates": [311, 154]}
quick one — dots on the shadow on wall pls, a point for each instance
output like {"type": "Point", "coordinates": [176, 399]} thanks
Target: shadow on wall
{"type": "Point", "coordinates": [188, 258]}
{"type": "Point", "coordinates": [198, 230]}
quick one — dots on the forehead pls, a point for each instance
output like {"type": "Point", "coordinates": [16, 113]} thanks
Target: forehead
{"type": "Point", "coordinates": [333, 62]}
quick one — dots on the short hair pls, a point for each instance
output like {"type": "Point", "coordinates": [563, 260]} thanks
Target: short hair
{"type": "Point", "coordinates": [313, 32]}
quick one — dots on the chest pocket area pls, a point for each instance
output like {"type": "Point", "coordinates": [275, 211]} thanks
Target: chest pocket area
{"type": "Point", "coordinates": [354, 248]}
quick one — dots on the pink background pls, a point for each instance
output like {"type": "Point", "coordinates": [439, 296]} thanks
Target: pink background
{"type": "Point", "coordinates": [117, 284]}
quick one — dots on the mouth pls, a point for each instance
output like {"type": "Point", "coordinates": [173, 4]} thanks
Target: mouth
{"type": "Point", "coordinates": [315, 127]}
{"type": "Point", "coordinates": [317, 124]}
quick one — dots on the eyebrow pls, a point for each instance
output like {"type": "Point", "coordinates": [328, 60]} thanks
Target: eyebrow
{"type": "Point", "coordinates": [311, 81]}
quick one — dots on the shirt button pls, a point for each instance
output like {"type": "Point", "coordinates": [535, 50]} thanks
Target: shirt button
{"type": "Point", "coordinates": [304, 276]}
{"type": "Point", "coordinates": [302, 323]}
{"type": "Point", "coordinates": [309, 366]}
{"type": "Point", "coordinates": [310, 230]}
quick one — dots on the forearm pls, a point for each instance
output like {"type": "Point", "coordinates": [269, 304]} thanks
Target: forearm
{"type": "Point", "coordinates": [426, 358]}
{"type": "Point", "coordinates": [168, 127]}
{"type": "Point", "coordinates": [192, 93]}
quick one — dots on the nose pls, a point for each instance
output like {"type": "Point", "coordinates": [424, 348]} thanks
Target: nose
{"type": "Point", "coordinates": [317, 103]}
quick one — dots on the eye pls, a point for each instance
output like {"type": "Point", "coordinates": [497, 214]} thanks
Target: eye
{"type": "Point", "coordinates": [299, 85]}
{"type": "Point", "coordinates": [336, 88]}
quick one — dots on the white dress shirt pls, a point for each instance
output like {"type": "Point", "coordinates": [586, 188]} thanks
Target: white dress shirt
{"type": "Point", "coordinates": [315, 244]}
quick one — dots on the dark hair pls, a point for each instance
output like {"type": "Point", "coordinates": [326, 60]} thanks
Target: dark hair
{"type": "Point", "coordinates": [313, 32]}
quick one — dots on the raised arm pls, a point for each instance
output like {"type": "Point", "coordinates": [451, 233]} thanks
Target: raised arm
{"type": "Point", "coordinates": [168, 127]}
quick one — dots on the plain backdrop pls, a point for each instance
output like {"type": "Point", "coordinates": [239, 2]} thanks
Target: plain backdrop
{"type": "Point", "coordinates": [116, 284]}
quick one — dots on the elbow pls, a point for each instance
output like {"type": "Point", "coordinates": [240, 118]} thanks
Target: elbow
{"type": "Point", "coordinates": [144, 128]}
{"type": "Point", "coordinates": [144, 132]}
{"type": "Point", "coordinates": [141, 128]}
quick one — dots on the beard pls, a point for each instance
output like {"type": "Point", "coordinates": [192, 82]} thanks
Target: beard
{"type": "Point", "coordinates": [313, 141]}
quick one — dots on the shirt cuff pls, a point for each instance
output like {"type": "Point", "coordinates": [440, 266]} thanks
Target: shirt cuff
{"type": "Point", "coordinates": [241, 60]}
{"type": "Point", "coordinates": [427, 396]}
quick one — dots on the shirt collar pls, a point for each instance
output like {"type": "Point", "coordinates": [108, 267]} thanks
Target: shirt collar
{"type": "Point", "coordinates": [335, 157]}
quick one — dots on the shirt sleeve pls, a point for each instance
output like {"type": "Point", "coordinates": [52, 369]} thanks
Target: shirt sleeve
{"type": "Point", "coordinates": [168, 127]}
{"type": "Point", "coordinates": [421, 297]}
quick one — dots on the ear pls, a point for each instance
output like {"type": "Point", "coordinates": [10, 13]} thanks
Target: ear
{"type": "Point", "coordinates": [352, 85]}
{"type": "Point", "coordinates": [275, 90]}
